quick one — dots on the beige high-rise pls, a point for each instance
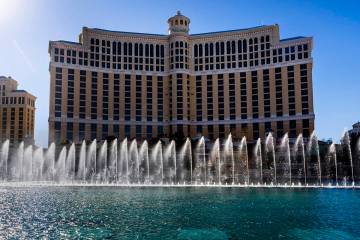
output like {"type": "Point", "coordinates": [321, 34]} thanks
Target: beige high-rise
{"type": "Point", "coordinates": [246, 81]}
{"type": "Point", "coordinates": [17, 111]}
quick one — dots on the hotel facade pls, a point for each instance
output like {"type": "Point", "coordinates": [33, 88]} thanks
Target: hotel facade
{"type": "Point", "coordinates": [248, 82]}
{"type": "Point", "coordinates": [17, 111]}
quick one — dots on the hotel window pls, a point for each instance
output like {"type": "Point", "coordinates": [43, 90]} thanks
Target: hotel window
{"type": "Point", "coordinates": [94, 52]}
{"type": "Point", "coordinates": [160, 58]}
{"type": "Point", "coordinates": [306, 126]}
{"type": "Point", "coordinates": [211, 131]}
{"type": "Point", "coordinates": [127, 131]}
{"type": "Point", "coordinates": [265, 49]}
{"type": "Point", "coordinates": [243, 95]}
{"type": "Point", "coordinates": [268, 128]}
{"type": "Point", "coordinates": [94, 98]}
{"type": "Point", "coordinates": [71, 56]}
{"type": "Point", "coordinates": [280, 129]}
{"type": "Point", "coordinates": [128, 55]}
{"type": "Point", "coordinates": [12, 124]}
{"type": "Point", "coordinates": [220, 55]}
{"type": "Point", "coordinates": [230, 54]}
{"type": "Point", "coordinates": [57, 132]}
{"type": "Point", "coordinates": [83, 58]}
{"type": "Point", "coordinates": [291, 90]}
{"type": "Point", "coordinates": [105, 54]}
{"type": "Point", "coordinates": [160, 130]}
{"type": "Point", "coordinates": [127, 97]}
{"type": "Point", "coordinates": [105, 100]}
{"type": "Point", "coordinates": [209, 56]}
{"type": "Point", "coordinates": [104, 131]}
{"type": "Point", "coordinates": [82, 95]}
{"type": "Point", "coordinates": [149, 98]}
{"type": "Point", "coordinates": [292, 126]}
{"type": "Point", "coordinates": [221, 131]}
{"type": "Point", "coordinates": [255, 96]}
{"type": "Point", "coordinates": [160, 98]}
{"type": "Point", "coordinates": [278, 92]}
{"type": "Point", "coordinates": [58, 92]}
{"type": "Point", "coordinates": [69, 131]}
{"type": "Point", "coordinates": [116, 101]}
{"type": "Point", "coordinates": [149, 57]}
{"type": "Point", "coordinates": [232, 96]}
{"type": "Point", "coordinates": [198, 57]}
{"type": "Point", "coordinates": [70, 94]}
{"type": "Point", "coordinates": [221, 105]}
{"type": "Point", "coordinates": [59, 55]}
{"type": "Point", "coordinates": [116, 55]}
{"type": "Point", "coordinates": [304, 89]}
{"type": "Point", "coordinates": [253, 52]}
{"type": "Point", "coordinates": [138, 98]}
{"type": "Point", "coordinates": [198, 99]}
{"type": "Point", "coordinates": [242, 53]}
{"type": "Point", "coordinates": [138, 131]}
{"type": "Point", "coordinates": [179, 97]}
{"type": "Point", "coordinates": [266, 87]}
{"type": "Point", "coordinates": [116, 131]}
{"type": "Point", "coordinates": [93, 129]}
{"type": "Point", "coordinates": [256, 133]}
{"type": "Point", "coordinates": [21, 123]}
{"type": "Point", "coordinates": [81, 131]}
{"type": "Point", "coordinates": [210, 105]}
{"type": "Point", "coordinates": [149, 132]}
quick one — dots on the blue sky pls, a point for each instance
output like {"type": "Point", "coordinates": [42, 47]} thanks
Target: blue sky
{"type": "Point", "coordinates": [26, 26]}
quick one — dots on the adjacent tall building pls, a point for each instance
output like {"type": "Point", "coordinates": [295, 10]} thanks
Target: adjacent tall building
{"type": "Point", "coordinates": [123, 84]}
{"type": "Point", "coordinates": [17, 111]}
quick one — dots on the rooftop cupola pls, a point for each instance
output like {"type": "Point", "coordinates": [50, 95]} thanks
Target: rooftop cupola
{"type": "Point", "coordinates": [178, 24]}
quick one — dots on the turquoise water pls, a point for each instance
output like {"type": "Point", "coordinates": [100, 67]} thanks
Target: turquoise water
{"type": "Point", "coordinates": [178, 213]}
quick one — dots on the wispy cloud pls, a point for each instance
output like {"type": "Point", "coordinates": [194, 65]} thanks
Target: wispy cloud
{"type": "Point", "coordinates": [23, 55]}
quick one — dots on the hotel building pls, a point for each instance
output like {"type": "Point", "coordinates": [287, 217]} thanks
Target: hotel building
{"type": "Point", "coordinates": [17, 111]}
{"type": "Point", "coordinates": [124, 84]}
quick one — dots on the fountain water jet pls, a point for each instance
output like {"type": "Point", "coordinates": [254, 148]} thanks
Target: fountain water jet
{"type": "Point", "coordinates": [314, 146]}
{"type": "Point", "coordinates": [4, 158]}
{"type": "Point", "coordinates": [244, 151]}
{"type": "Point", "coordinates": [332, 151]}
{"type": "Point", "coordinates": [285, 147]}
{"type": "Point", "coordinates": [81, 173]}
{"type": "Point", "coordinates": [346, 140]}
{"type": "Point", "coordinates": [270, 148]}
{"type": "Point", "coordinates": [144, 161]}
{"type": "Point", "coordinates": [228, 152]}
{"type": "Point", "coordinates": [299, 143]}
{"type": "Point", "coordinates": [258, 158]}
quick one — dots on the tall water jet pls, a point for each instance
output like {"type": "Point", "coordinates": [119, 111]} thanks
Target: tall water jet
{"type": "Point", "coordinates": [70, 162]}
{"type": "Point", "coordinates": [216, 162]}
{"type": "Point", "coordinates": [170, 159]}
{"type": "Point", "coordinates": [314, 147]}
{"type": "Point", "coordinates": [38, 163]}
{"type": "Point", "coordinates": [244, 152]}
{"type": "Point", "coordinates": [81, 173]}
{"type": "Point", "coordinates": [300, 149]}
{"type": "Point", "coordinates": [144, 162]}
{"type": "Point", "coordinates": [270, 149]}
{"type": "Point", "coordinates": [229, 153]}
{"type": "Point", "coordinates": [4, 159]}
{"type": "Point", "coordinates": [186, 167]}
{"type": "Point", "coordinates": [49, 163]}
{"type": "Point", "coordinates": [158, 163]}
{"type": "Point", "coordinates": [258, 158]}
{"type": "Point", "coordinates": [332, 152]}
{"type": "Point", "coordinates": [346, 141]}
{"type": "Point", "coordinates": [19, 166]}
{"type": "Point", "coordinates": [134, 166]}
{"type": "Point", "coordinates": [123, 165]}
{"type": "Point", "coordinates": [60, 166]}
{"type": "Point", "coordinates": [113, 160]}
{"type": "Point", "coordinates": [285, 147]}
{"type": "Point", "coordinates": [200, 171]}
{"type": "Point", "coordinates": [28, 163]}
{"type": "Point", "coordinates": [102, 165]}
{"type": "Point", "coordinates": [91, 161]}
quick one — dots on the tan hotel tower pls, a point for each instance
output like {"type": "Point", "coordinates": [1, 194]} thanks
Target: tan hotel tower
{"type": "Point", "coordinates": [124, 84]}
{"type": "Point", "coordinates": [17, 112]}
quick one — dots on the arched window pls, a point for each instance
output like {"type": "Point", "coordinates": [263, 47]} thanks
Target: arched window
{"type": "Point", "coordinates": [181, 22]}
{"type": "Point", "coordinates": [196, 49]}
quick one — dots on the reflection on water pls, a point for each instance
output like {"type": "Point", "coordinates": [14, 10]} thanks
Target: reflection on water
{"type": "Point", "coordinates": [181, 213]}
